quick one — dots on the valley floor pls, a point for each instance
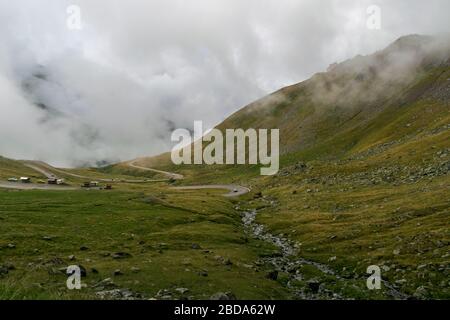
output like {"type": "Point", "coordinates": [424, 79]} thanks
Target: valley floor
{"type": "Point", "coordinates": [311, 232]}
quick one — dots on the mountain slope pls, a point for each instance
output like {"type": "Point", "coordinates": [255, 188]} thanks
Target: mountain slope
{"type": "Point", "coordinates": [366, 103]}
{"type": "Point", "coordinates": [364, 181]}
{"type": "Point", "coordinates": [355, 99]}
{"type": "Point", "coordinates": [15, 169]}
{"type": "Point", "coordinates": [364, 177]}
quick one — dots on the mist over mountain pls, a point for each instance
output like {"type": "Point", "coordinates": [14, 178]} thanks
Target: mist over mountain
{"type": "Point", "coordinates": [115, 89]}
{"type": "Point", "coordinates": [351, 94]}
{"type": "Point", "coordinates": [347, 194]}
{"type": "Point", "coordinates": [390, 96]}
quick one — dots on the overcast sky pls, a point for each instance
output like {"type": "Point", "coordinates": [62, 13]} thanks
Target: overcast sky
{"type": "Point", "coordinates": [137, 69]}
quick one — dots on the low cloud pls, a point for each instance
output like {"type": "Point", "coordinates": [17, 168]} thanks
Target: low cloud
{"type": "Point", "coordinates": [139, 69]}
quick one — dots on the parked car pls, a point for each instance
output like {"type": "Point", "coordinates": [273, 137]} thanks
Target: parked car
{"type": "Point", "coordinates": [25, 180]}
{"type": "Point", "coordinates": [13, 180]}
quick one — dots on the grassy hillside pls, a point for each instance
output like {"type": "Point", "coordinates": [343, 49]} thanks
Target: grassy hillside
{"type": "Point", "coordinates": [15, 169]}
{"type": "Point", "coordinates": [162, 242]}
{"type": "Point", "coordinates": [365, 166]}
{"type": "Point", "coordinates": [394, 94]}
{"type": "Point", "coordinates": [364, 180]}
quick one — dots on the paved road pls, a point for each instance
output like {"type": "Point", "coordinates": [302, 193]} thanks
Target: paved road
{"type": "Point", "coordinates": [40, 167]}
{"type": "Point", "coordinates": [47, 170]}
{"type": "Point", "coordinates": [235, 190]}
{"type": "Point", "coordinates": [171, 175]}
{"type": "Point", "coordinates": [33, 186]}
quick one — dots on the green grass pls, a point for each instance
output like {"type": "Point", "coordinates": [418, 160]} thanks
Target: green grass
{"type": "Point", "coordinates": [375, 191]}
{"type": "Point", "coordinates": [376, 188]}
{"type": "Point", "coordinates": [15, 169]}
{"type": "Point", "coordinates": [157, 230]}
{"type": "Point", "coordinates": [366, 225]}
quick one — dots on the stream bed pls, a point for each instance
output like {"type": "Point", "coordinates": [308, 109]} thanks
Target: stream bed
{"type": "Point", "coordinates": [288, 262]}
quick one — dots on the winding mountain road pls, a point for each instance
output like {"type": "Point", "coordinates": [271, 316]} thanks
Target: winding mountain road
{"type": "Point", "coordinates": [49, 172]}
{"type": "Point", "coordinates": [40, 167]}
{"type": "Point", "coordinates": [33, 186]}
{"type": "Point", "coordinates": [235, 190]}
{"type": "Point", "coordinates": [44, 168]}
{"type": "Point", "coordinates": [171, 175]}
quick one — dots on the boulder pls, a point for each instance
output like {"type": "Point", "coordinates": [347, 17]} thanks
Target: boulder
{"type": "Point", "coordinates": [223, 296]}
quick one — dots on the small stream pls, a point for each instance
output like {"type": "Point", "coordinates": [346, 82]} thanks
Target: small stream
{"type": "Point", "coordinates": [287, 262]}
